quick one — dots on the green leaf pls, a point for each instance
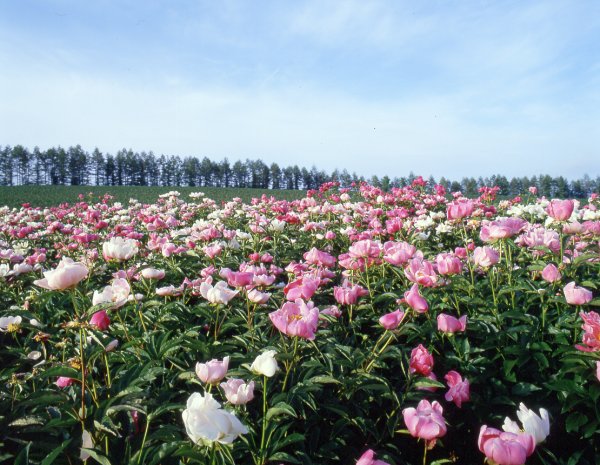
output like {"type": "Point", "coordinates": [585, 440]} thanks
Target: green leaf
{"type": "Point", "coordinates": [96, 456]}
{"type": "Point", "coordinates": [524, 389]}
{"type": "Point", "coordinates": [574, 421]}
{"type": "Point", "coordinates": [324, 380]}
{"type": "Point", "coordinates": [283, 456]}
{"type": "Point", "coordinates": [428, 383]}
{"type": "Point", "coordinates": [49, 460]}
{"type": "Point", "coordinates": [281, 408]}
{"type": "Point", "coordinates": [23, 457]}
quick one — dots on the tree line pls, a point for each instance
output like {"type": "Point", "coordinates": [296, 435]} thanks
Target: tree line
{"type": "Point", "coordinates": [75, 166]}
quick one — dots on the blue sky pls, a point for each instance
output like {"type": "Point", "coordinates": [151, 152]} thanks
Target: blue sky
{"type": "Point", "coordinates": [463, 88]}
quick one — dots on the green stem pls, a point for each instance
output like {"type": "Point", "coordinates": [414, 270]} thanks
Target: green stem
{"type": "Point", "coordinates": [289, 367]}
{"type": "Point", "coordinates": [380, 351]}
{"type": "Point", "coordinates": [108, 380]}
{"type": "Point", "coordinates": [264, 421]}
{"type": "Point", "coordinates": [82, 360]}
{"type": "Point", "coordinates": [144, 438]}
{"type": "Point", "coordinates": [425, 453]}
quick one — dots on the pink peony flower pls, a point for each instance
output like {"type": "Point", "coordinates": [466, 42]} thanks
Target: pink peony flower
{"type": "Point", "coordinates": [64, 381]}
{"type": "Point", "coordinates": [448, 264]}
{"type": "Point", "coordinates": [317, 257]}
{"type": "Point", "coordinates": [459, 209]}
{"type": "Point", "coordinates": [296, 319]}
{"type": "Point", "coordinates": [237, 278]}
{"type": "Point", "coordinates": [415, 301]}
{"type": "Point", "coordinates": [398, 253]}
{"type": "Point", "coordinates": [550, 273]}
{"type": "Point", "coordinates": [212, 372]}
{"type": "Point", "coordinates": [368, 458]}
{"type": "Point", "coordinates": [346, 295]}
{"type": "Point", "coordinates": [302, 288]}
{"type": "Point", "coordinates": [485, 256]}
{"type": "Point", "coordinates": [450, 324]}
{"type": "Point", "coordinates": [505, 448]}
{"type": "Point", "coordinates": [237, 391]}
{"type": "Point", "coordinates": [365, 249]}
{"type": "Point", "coordinates": [560, 210]}
{"type": "Point", "coordinates": [212, 251]}
{"type": "Point", "coordinates": [459, 391]}
{"type": "Point", "coordinates": [100, 320]}
{"type": "Point", "coordinates": [591, 335]}
{"type": "Point", "coordinates": [426, 421]}
{"type": "Point", "coordinates": [576, 295]}
{"type": "Point", "coordinates": [391, 320]}
{"type": "Point", "coordinates": [66, 275]}
{"type": "Point", "coordinates": [421, 361]}
{"type": "Point", "coordinates": [421, 271]}
{"type": "Point", "coordinates": [501, 228]}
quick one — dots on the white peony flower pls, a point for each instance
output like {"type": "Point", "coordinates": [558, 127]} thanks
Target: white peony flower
{"type": "Point", "coordinates": [265, 364]}
{"type": "Point", "coordinates": [205, 421]}
{"type": "Point", "coordinates": [536, 425]}
{"type": "Point", "coordinates": [118, 248]}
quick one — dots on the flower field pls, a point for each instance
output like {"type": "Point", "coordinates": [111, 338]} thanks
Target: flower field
{"type": "Point", "coordinates": [350, 326]}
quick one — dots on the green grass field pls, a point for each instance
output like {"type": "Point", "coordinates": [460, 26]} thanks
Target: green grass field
{"type": "Point", "coordinates": [45, 196]}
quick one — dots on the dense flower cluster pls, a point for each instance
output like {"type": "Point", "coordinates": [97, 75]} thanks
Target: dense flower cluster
{"type": "Point", "coordinates": [314, 328]}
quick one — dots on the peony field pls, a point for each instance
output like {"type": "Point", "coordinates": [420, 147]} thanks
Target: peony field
{"type": "Point", "coordinates": [351, 326]}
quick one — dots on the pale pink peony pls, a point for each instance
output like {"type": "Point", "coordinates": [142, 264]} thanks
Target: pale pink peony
{"type": "Point", "coordinates": [258, 297]}
{"type": "Point", "coordinates": [217, 294]}
{"type": "Point", "coordinates": [237, 391]}
{"type": "Point", "coordinates": [152, 273]}
{"type": "Point", "coordinates": [66, 275]}
{"type": "Point", "coordinates": [576, 295]}
{"type": "Point", "coordinates": [550, 273]}
{"type": "Point", "coordinates": [117, 294]}
{"type": "Point", "coordinates": [212, 372]}
{"type": "Point", "coordinates": [118, 248]}
{"type": "Point", "coordinates": [485, 257]}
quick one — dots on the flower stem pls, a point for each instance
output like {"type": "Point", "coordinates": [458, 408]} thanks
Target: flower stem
{"type": "Point", "coordinates": [82, 359]}
{"type": "Point", "coordinates": [264, 422]}
{"type": "Point", "coordinates": [289, 366]}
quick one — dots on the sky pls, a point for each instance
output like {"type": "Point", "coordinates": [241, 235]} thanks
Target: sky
{"type": "Point", "coordinates": [442, 88]}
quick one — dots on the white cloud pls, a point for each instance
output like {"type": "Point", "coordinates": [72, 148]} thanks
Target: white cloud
{"type": "Point", "coordinates": [502, 93]}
